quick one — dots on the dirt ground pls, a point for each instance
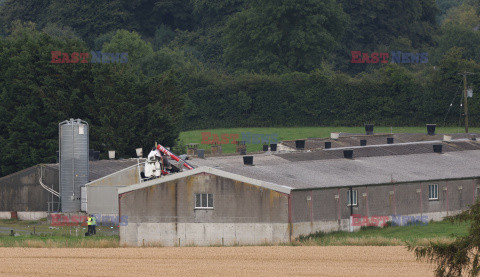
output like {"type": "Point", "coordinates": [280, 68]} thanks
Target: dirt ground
{"type": "Point", "coordinates": [213, 261]}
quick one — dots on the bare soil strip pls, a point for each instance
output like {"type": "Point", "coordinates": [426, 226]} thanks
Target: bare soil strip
{"type": "Point", "coordinates": [213, 261]}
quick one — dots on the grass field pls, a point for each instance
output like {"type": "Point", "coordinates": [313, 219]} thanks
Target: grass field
{"type": "Point", "coordinates": [301, 133]}
{"type": "Point", "coordinates": [39, 234]}
{"type": "Point", "coordinates": [389, 236]}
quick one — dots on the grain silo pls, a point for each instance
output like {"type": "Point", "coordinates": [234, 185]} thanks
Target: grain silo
{"type": "Point", "coordinates": [73, 146]}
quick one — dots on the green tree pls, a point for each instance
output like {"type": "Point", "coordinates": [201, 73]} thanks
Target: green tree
{"type": "Point", "coordinates": [445, 5]}
{"type": "Point", "coordinates": [87, 18]}
{"type": "Point", "coordinates": [131, 43]}
{"type": "Point", "coordinates": [23, 10]}
{"type": "Point", "coordinates": [460, 256]}
{"type": "Point", "coordinates": [290, 36]}
{"type": "Point", "coordinates": [214, 12]}
{"type": "Point", "coordinates": [35, 95]}
{"type": "Point", "coordinates": [378, 26]}
{"type": "Point", "coordinates": [460, 29]}
{"type": "Point", "coordinates": [145, 16]}
{"type": "Point", "coordinates": [130, 109]}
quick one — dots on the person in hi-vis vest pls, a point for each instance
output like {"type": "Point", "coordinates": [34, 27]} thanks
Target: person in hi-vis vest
{"type": "Point", "coordinates": [94, 225]}
{"type": "Point", "coordinates": [89, 223]}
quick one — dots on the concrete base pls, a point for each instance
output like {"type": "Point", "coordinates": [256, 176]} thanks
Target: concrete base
{"type": "Point", "coordinates": [31, 215]}
{"type": "Point", "coordinates": [5, 215]}
{"type": "Point", "coordinates": [306, 228]}
{"type": "Point", "coordinates": [203, 234]}
{"type": "Point", "coordinates": [24, 215]}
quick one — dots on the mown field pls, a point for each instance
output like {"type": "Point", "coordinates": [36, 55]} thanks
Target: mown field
{"type": "Point", "coordinates": [214, 261]}
{"type": "Point", "coordinates": [299, 133]}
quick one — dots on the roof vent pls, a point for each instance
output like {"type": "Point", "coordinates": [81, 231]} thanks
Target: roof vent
{"type": "Point", "coordinates": [139, 152]}
{"type": "Point", "coordinates": [241, 147]}
{"type": "Point", "coordinates": [201, 153]}
{"type": "Point", "coordinates": [369, 129]}
{"type": "Point", "coordinates": [248, 160]}
{"type": "Point", "coordinates": [389, 140]}
{"type": "Point", "coordinates": [273, 147]}
{"type": "Point", "coordinates": [363, 142]}
{"type": "Point", "coordinates": [328, 145]}
{"type": "Point", "coordinates": [431, 129]}
{"type": "Point", "coordinates": [437, 148]}
{"type": "Point", "coordinates": [300, 144]}
{"type": "Point", "coordinates": [348, 154]}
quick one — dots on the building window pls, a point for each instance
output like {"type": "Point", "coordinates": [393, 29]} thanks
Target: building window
{"type": "Point", "coordinates": [350, 198]}
{"type": "Point", "coordinates": [203, 201]}
{"type": "Point", "coordinates": [433, 192]}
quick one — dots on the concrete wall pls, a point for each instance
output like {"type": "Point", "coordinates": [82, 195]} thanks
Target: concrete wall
{"type": "Point", "coordinates": [242, 213]}
{"type": "Point", "coordinates": [24, 215]}
{"type": "Point", "coordinates": [31, 215]}
{"type": "Point", "coordinates": [102, 195]}
{"type": "Point", "coordinates": [5, 215]}
{"type": "Point", "coordinates": [203, 234]}
{"type": "Point", "coordinates": [102, 200]}
{"type": "Point", "coordinates": [21, 191]}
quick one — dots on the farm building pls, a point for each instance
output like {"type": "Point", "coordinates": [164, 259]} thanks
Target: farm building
{"type": "Point", "coordinates": [22, 192]}
{"type": "Point", "coordinates": [285, 195]}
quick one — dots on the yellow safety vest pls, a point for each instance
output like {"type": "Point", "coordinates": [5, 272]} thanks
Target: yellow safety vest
{"type": "Point", "coordinates": [94, 221]}
{"type": "Point", "coordinates": [89, 221]}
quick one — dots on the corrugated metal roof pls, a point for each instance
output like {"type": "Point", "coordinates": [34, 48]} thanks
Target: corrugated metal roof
{"type": "Point", "coordinates": [407, 148]}
{"type": "Point", "coordinates": [209, 170]}
{"type": "Point", "coordinates": [347, 140]}
{"type": "Point", "coordinates": [339, 172]}
{"type": "Point", "coordinates": [102, 168]}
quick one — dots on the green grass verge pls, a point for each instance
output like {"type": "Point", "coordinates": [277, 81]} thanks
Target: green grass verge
{"type": "Point", "coordinates": [301, 133]}
{"type": "Point", "coordinates": [39, 234]}
{"type": "Point", "coordinates": [59, 241]}
{"type": "Point", "coordinates": [398, 235]}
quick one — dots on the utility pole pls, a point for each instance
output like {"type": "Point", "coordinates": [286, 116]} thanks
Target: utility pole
{"type": "Point", "coordinates": [465, 98]}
